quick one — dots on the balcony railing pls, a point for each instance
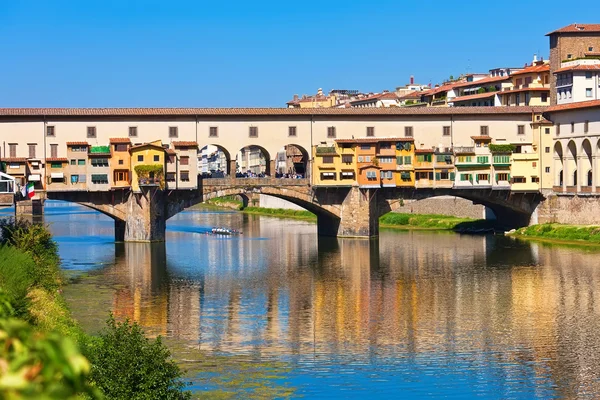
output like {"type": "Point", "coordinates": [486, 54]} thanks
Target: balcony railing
{"type": "Point", "coordinates": [464, 149]}
{"type": "Point", "coordinates": [326, 150]}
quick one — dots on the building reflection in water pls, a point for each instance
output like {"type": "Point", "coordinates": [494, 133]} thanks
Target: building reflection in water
{"type": "Point", "coordinates": [530, 309]}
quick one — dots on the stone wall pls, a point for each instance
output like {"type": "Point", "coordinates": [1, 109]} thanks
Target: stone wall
{"type": "Point", "coordinates": [273, 202]}
{"type": "Point", "coordinates": [445, 205]}
{"type": "Point", "coordinates": [574, 210]}
{"type": "Point", "coordinates": [6, 199]}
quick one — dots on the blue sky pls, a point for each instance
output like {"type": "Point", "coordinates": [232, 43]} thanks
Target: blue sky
{"type": "Point", "coordinates": [170, 53]}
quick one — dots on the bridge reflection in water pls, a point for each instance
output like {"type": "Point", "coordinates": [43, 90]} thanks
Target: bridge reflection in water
{"type": "Point", "coordinates": [531, 310]}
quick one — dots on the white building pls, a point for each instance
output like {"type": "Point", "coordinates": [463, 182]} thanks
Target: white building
{"type": "Point", "coordinates": [577, 81]}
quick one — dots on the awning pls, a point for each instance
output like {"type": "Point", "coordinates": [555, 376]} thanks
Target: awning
{"type": "Point", "coordinates": [34, 178]}
{"type": "Point", "coordinates": [57, 175]}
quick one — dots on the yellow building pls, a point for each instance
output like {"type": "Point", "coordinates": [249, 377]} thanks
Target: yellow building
{"type": "Point", "coordinates": [151, 158]}
{"type": "Point", "coordinates": [317, 101]}
{"type": "Point", "coordinates": [405, 155]}
{"type": "Point", "coordinates": [334, 164]}
{"type": "Point", "coordinates": [530, 86]}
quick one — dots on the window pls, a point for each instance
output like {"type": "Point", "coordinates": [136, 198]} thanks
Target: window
{"type": "Point", "coordinates": [360, 158]}
{"type": "Point", "coordinates": [547, 170]}
{"type": "Point", "coordinates": [133, 131]}
{"type": "Point", "coordinates": [292, 131]}
{"type": "Point", "coordinates": [588, 92]}
{"type": "Point", "coordinates": [590, 48]}
{"type": "Point", "coordinates": [424, 175]}
{"type": "Point", "coordinates": [213, 131]}
{"type": "Point", "coordinates": [331, 131]}
{"type": "Point", "coordinates": [156, 158]}
{"type": "Point", "coordinates": [367, 158]}
{"type": "Point", "coordinates": [91, 131]}
{"type": "Point", "coordinates": [572, 127]}
{"type": "Point", "coordinates": [424, 158]}
{"type": "Point", "coordinates": [184, 176]}
{"type": "Point", "coordinates": [440, 158]}
{"type": "Point", "coordinates": [121, 147]}
{"type": "Point", "coordinates": [534, 164]}
{"type": "Point", "coordinates": [99, 179]}
{"type": "Point", "coordinates": [80, 162]}
{"type": "Point", "coordinates": [347, 158]}
{"type": "Point", "coordinates": [408, 131]}
{"type": "Point", "coordinates": [442, 176]}
{"type": "Point", "coordinates": [12, 150]}
{"type": "Point", "coordinates": [405, 176]}
{"type": "Point", "coordinates": [569, 55]}
{"type": "Point", "coordinates": [171, 158]}
{"type": "Point", "coordinates": [557, 129]}
{"type": "Point", "coordinates": [501, 177]}
{"type": "Point", "coordinates": [386, 175]}
{"type": "Point", "coordinates": [50, 131]}
{"type": "Point", "coordinates": [31, 150]}
{"type": "Point", "coordinates": [140, 158]}
{"type": "Point", "coordinates": [462, 159]}
{"type": "Point", "coordinates": [54, 150]}
{"type": "Point", "coordinates": [483, 177]}
{"type": "Point", "coordinates": [55, 165]}
{"type": "Point", "coordinates": [386, 160]}
{"type": "Point", "coordinates": [99, 162]}
{"type": "Point", "coordinates": [407, 160]}
{"type": "Point", "coordinates": [173, 131]}
{"type": "Point", "coordinates": [482, 159]}
{"type": "Point", "coordinates": [535, 179]}
{"type": "Point", "coordinates": [547, 131]}
{"type": "Point", "coordinates": [121, 176]}
{"type": "Point", "coordinates": [74, 179]}
{"type": "Point", "coordinates": [120, 162]}
{"type": "Point", "coordinates": [483, 130]}
{"type": "Point", "coordinates": [466, 177]}
{"type": "Point", "coordinates": [588, 75]}
{"type": "Point", "coordinates": [328, 160]}
{"type": "Point", "coordinates": [370, 131]}
{"type": "Point", "coordinates": [371, 175]}
{"type": "Point", "coordinates": [519, 179]}
{"type": "Point", "coordinates": [185, 160]}
{"type": "Point", "coordinates": [518, 99]}
{"type": "Point", "coordinates": [79, 149]}
{"type": "Point", "coordinates": [520, 129]}
{"type": "Point", "coordinates": [253, 131]}
{"type": "Point", "coordinates": [385, 146]}
{"type": "Point", "coordinates": [346, 175]}
{"type": "Point", "coordinates": [544, 97]}
{"type": "Point", "coordinates": [73, 162]}
{"type": "Point", "coordinates": [327, 176]}
{"type": "Point", "coordinates": [365, 147]}
{"type": "Point", "coordinates": [170, 177]}
{"type": "Point", "coordinates": [501, 159]}
{"type": "Point", "coordinates": [586, 126]}
{"type": "Point", "coordinates": [446, 131]}
{"type": "Point", "coordinates": [547, 149]}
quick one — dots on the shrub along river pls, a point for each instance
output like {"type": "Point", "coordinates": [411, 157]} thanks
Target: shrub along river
{"type": "Point", "coordinates": [279, 312]}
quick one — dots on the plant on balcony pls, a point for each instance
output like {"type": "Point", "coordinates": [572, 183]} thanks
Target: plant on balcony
{"type": "Point", "coordinates": [325, 150]}
{"type": "Point", "coordinates": [150, 174]}
{"type": "Point", "coordinates": [502, 148]}
{"type": "Point", "coordinates": [100, 149]}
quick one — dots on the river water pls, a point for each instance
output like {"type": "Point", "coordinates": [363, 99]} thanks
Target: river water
{"type": "Point", "coordinates": [279, 312]}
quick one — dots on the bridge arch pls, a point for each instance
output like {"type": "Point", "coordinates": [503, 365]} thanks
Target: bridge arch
{"type": "Point", "coordinates": [254, 160]}
{"type": "Point", "coordinates": [558, 164]}
{"type": "Point", "coordinates": [571, 163]}
{"type": "Point", "coordinates": [211, 161]}
{"type": "Point", "coordinates": [292, 159]}
{"type": "Point", "coordinates": [586, 163]}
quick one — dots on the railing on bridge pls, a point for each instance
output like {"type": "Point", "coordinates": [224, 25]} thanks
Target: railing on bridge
{"type": "Point", "coordinates": [254, 182]}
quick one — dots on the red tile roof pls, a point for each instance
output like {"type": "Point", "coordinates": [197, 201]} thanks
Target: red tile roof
{"type": "Point", "coordinates": [443, 88]}
{"type": "Point", "coordinates": [574, 106]}
{"type": "Point", "coordinates": [119, 140]}
{"type": "Point", "coordinates": [56, 159]}
{"type": "Point", "coordinates": [171, 152]}
{"type": "Point", "coordinates": [137, 146]}
{"type": "Point", "coordinates": [577, 28]}
{"type": "Point", "coordinates": [483, 81]}
{"type": "Point", "coordinates": [474, 97]}
{"type": "Point", "coordinates": [185, 144]}
{"type": "Point", "coordinates": [292, 112]}
{"type": "Point", "coordinates": [15, 159]}
{"type": "Point", "coordinates": [416, 94]}
{"type": "Point", "coordinates": [78, 144]}
{"type": "Point", "coordinates": [378, 96]}
{"type": "Point", "coordinates": [594, 67]}
{"type": "Point", "coordinates": [533, 69]}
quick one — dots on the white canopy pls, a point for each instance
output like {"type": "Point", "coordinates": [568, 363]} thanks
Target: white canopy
{"type": "Point", "coordinates": [34, 178]}
{"type": "Point", "coordinates": [57, 175]}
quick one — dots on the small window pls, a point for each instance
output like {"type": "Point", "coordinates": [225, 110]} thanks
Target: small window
{"type": "Point", "coordinates": [347, 158]}
{"type": "Point", "coordinates": [184, 176]}
{"type": "Point", "coordinates": [74, 179]}
{"type": "Point", "coordinates": [91, 131]}
{"type": "Point", "coordinates": [50, 130]}
{"type": "Point", "coordinates": [170, 177]}
{"type": "Point", "coordinates": [185, 160]}
{"type": "Point", "coordinates": [140, 158]}
{"type": "Point", "coordinates": [55, 165]}
{"type": "Point", "coordinates": [100, 178]}
{"type": "Point", "coordinates": [370, 131]}
{"type": "Point", "coordinates": [557, 129]}
{"type": "Point", "coordinates": [446, 131]}
{"type": "Point", "coordinates": [519, 179]}
{"type": "Point", "coordinates": [133, 131]}
{"type": "Point", "coordinates": [547, 149]}
{"type": "Point", "coordinates": [213, 131]}
{"type": "Point", "coordinates": [408, 131]}
{"type": "Point", "coordinates": [73, 162]}
{"type": "Point", "coordinates": [483, 130]}
{"type": "Point", "coordinates": [588, 75]}
{"type": "Point", "coordinates": [80, 162]}
{"type": "Point", "coordinates": [53, 150]}
{"type": "Point", "coordinates": [544, 97]}
{"type": "Point", "coordinates": [547, 170]}
{"type": "Point", "coordinates": [156, 158]}
{"type": "Point", "coordinates": [253, 131]}
{"type": "Point", "coordinates": [292, 131]}
{"type": "Point", "coordinates": [547, 131]}
{"type": "Point", "coordinates": [331, 131]}
{"type": "Point", "coordinates": [520, 129]}
{"type": "Point", "coordinates": [328, 160]}
{"type": "Point", "coordinates": [31, 150]}
{"type": "Point", "coordinates": [535, 179]}
{"type": "Point", "coordinates": [569, 56]}
{"type": "Point", "coordinates": [586, 126]}
{"type": "Point", "coordinates": [588, 92]}
{"type": "Point", "coordinates": [120, 147]}
{"type": "Point", "coordinates": [572, 127]}
{"type": "Point", "coordinates": [173, 132]}
{"type": "Point", "coordinates": [120, 162]}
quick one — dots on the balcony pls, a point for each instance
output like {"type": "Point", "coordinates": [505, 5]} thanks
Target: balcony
{"type": "Point", "coordinates": [326, 150]}
{"type": "Point", "coordinates": [464, 149]}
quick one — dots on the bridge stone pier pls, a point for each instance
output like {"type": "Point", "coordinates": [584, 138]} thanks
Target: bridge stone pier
{"type": "Point", "coordinates": [341, 211]}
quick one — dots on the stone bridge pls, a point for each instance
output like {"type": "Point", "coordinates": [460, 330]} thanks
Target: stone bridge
{"type": "Point", "coordinates": [341, 211]}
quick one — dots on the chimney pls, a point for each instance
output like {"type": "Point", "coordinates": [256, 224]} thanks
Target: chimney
{"type": "Point", "coordinates": [295, 97]}
{"type": "Point", "coordinates": [412, 80]}
{"type": "Point", "coordinates": [534, 58]}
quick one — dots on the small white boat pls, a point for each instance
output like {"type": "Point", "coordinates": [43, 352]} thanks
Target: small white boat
{"type": "Point", "coordinates": [225, 231]}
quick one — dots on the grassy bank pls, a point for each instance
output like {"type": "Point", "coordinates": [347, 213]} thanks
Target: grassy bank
{"type": "Point", "coordinates": [430, 221]}
{"type": "Point", "coordinates": [227, 202]}
{"type": "Point", "coordinates": [560, 233]}
{"type": "Point", "coordinates": [44, 352]}
{"type": "Point", "coordinates": [282, 213]}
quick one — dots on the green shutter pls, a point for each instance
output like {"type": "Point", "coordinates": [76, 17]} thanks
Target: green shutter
{"type": "Point", "coordinates": [438, 176]}
{"type": "Point", "coordinates": [407, 160]}
{"type": "Point", "coordinates": [496, 178]}
{"type": "Point", "coordinates": [399, 160]}
{"type": "Point", "coordinates": [451, 176]}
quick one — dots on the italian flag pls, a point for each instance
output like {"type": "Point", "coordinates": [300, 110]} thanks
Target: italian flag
{"type": "Point", "coordinates": [30, 190]}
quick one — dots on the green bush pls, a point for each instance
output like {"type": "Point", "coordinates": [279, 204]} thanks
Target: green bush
{"type": "Point", "coordinates": [127, 365]}
{"type": "Point", "coordinates": [16, 277]}
{"type": "Point", "coordinates": [502, 148]}
{"type": "Point", "coordinates": [35, 240]}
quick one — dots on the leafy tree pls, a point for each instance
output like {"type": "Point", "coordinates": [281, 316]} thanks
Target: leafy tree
{"type": "Point", "coordinates": [127, 365]}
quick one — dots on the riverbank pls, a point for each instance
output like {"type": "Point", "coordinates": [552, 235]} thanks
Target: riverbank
{"type": "Point", "coordinates": [560, 233]}
{"type": "Point", "coordinates": [434, 222]}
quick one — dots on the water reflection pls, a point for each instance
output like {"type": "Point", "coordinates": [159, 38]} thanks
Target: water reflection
{"type": "Point", "coordinates": [431, 314]}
